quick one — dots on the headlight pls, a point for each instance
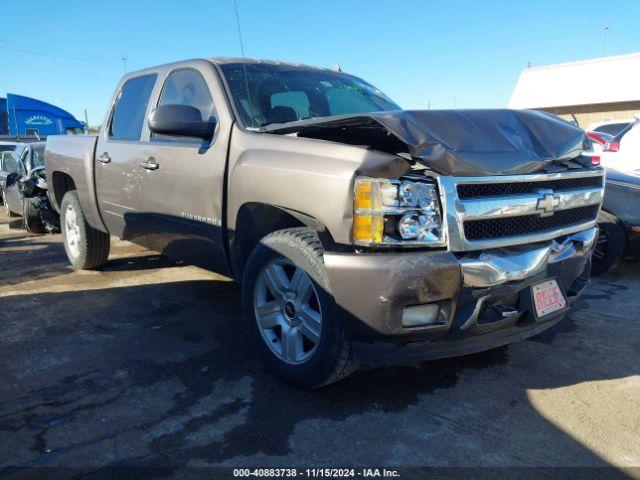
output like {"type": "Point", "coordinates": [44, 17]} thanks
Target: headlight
{"type": "Point", "coordinates": [396, 212]}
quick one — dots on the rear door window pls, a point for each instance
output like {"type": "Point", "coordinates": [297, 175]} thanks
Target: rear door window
{"type": "Point", "coordinates": [131, 107]}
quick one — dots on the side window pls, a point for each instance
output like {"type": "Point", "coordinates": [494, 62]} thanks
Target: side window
{"type": "Point", "coordinates": [188, 87]}
{"type": "Point", "coordinates": [11, 162]}
{"type": "Point", "coordinates": [131, 106]}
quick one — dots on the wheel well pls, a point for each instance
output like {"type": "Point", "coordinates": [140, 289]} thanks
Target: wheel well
{"type": "Point", "coordinates": [61, 183]}
{"type": "Point", "coordinates": [255, 221]}
{"type": "Point", "coordinates": [608, 216]}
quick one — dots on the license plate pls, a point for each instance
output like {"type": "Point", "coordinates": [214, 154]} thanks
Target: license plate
{"type": "Point", "coordinates": [548, 298]}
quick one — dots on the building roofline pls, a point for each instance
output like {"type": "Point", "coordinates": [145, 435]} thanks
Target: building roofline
{"type": "Point", "coordinates": [613, 58]}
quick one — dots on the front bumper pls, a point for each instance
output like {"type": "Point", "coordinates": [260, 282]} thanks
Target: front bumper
{"type": "Point", "coordinates": [483, 297]}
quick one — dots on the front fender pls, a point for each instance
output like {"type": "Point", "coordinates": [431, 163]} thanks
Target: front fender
{"type": "Point", "coordinates": [310, 177]}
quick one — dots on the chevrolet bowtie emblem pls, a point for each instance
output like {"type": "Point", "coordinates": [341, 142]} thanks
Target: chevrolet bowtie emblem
{"type": "Point", "coordinates": [547, 203]}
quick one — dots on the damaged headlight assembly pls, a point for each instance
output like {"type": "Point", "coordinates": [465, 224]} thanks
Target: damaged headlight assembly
{"type": "Point", "coordinates": [390, 212]}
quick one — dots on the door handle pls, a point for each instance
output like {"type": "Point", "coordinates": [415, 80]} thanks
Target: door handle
{"type": "Point", "coordinates": [104, 158]}
{"type": "Point", "coordinates": [149, 164]}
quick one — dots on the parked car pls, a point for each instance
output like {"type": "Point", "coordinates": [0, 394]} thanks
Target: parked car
{"type": "Point", "coordinates": [594, 144]}
{"type": "Point", "coordinates": [610, 127]}
{"type": "Point", "coordinates": [23, 187]}
{"type": "Point", "coordinates": [10, 166]}
{"type": "Point", "coordinates": [619, 222]}
{"type": "Point", "coordinates": [622, 153]}
{"type": "Point", "coordinates": [7, 146]}
{"type": "Point", "coordinates": [6, 149]}
{"type": "Point", "coordinates": [360, 233]}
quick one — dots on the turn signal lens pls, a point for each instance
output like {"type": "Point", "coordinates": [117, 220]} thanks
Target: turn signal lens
{"type": "Point", "coordinates": [368, 228]}
{"type": "Point", "coordinates": [363, 200]}
{"type": "Point", "coordinates": [368, 218]}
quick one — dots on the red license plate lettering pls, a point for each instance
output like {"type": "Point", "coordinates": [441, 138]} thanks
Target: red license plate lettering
{"type": "Point", "coordinates": [548, 298]}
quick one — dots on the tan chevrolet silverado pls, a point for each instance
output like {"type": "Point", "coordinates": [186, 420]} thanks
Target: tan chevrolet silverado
{"type": "Point", "coordinates": [360, 233]}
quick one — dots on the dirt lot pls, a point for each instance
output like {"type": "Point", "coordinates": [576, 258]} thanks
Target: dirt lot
{"type": "Point", "coordinates": [145, 364]}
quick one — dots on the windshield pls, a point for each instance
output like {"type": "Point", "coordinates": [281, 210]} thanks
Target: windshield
{"type": "Point", "coordinates": [269, 94]}
{"type": "Point", "coordinates": [37, 157]}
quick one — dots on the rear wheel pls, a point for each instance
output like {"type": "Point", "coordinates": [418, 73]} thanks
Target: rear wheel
{"type": "Point", "coordinates": [291, 313]}
{"type": "Point", "coordinates": [31, 215]}
{"type": "Point", "coordinates": [86, 247]}
{"type": "Point", "coordinates": [610, 246]}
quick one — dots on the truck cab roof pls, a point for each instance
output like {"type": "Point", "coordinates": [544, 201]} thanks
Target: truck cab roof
{"type": "Point", "coordinates": [223, 61]}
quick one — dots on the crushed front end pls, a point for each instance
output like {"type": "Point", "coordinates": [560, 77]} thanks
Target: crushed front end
{"type": "Point", "coordinates": [495, 244]}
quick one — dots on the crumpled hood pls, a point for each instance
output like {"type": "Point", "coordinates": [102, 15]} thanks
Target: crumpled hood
{"type": "Point", "coordinates": [463, 142]}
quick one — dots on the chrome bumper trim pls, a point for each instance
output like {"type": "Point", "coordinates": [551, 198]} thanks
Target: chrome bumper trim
{"type": "Point", "coordinates": [499, 266]}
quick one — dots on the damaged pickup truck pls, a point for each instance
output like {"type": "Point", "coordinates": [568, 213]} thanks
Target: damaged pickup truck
{"type": "Point", "coordinates": [360, 233]}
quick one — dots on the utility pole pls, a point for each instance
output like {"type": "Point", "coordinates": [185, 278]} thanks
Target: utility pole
{"type": "Point", "coordinates": [429, 104]}
{"type": "Point", "coordinates": [124, 61]}
{"type": "Point", "coordinates": [86, 121]}
{"type": "Point", "coordinates": [528, 63]}
{"type": "Point", "coordinates": [604, 43]}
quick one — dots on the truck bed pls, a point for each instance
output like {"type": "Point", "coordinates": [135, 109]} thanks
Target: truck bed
{"type": "Point", "coordinates": [72, 157]}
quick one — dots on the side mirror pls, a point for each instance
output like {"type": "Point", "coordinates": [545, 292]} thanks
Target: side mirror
{"type": "Point", "coordinates": [180, 121]}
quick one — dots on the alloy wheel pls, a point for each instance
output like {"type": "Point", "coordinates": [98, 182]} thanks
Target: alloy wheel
{"type": "Point", "coordinates": [602, 245]}
{"type": "Point", "coordinates": [72, 231]}
{"type": "Point", "coordinates": [287, 309]}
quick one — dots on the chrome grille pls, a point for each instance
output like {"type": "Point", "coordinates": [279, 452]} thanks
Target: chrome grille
{"type": "Point", "coordinates": [473, 190]}
{"type": "Point", "coordinates": [525, 224]}
{"type": "Point", "coordinates": [491, 212]}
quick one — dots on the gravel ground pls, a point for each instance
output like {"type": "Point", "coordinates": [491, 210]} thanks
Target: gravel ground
{"type": "Point", "coordinates": [145, 364]}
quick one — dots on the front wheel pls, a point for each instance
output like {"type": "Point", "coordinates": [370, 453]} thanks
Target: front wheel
{"type": "Point", "coordinates": [32, 219]}
{"type": "Point", "coordinates": [86, 247]}
{"type": "Point", "coordinates": [291, 313]}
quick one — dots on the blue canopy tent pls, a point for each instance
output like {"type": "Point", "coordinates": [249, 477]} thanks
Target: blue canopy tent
{"type": "Point", "coordinates": [23, 116]}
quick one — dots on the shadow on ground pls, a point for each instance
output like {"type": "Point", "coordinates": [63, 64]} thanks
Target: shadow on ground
{"type": "Point", "coordinates": [161, 375]}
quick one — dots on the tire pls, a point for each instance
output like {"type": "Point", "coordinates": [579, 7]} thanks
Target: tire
{"type": "Point", "coordinates": [31, 215]}
{"type": "Point", "coordinates": [7, 211]}
{"type": "Point", "coordinates": [610, 246]}
{"type": "Point", "coordinates": [86, 247]}
{"type": "Point", "coordinates": [318, 359]}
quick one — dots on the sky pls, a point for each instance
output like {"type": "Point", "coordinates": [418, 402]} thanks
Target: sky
{"type": "Point", "coordinates": [421, 53]}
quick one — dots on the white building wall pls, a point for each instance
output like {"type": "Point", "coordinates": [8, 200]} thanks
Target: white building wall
{"type": "Point", "coordinates": [597, 81]}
